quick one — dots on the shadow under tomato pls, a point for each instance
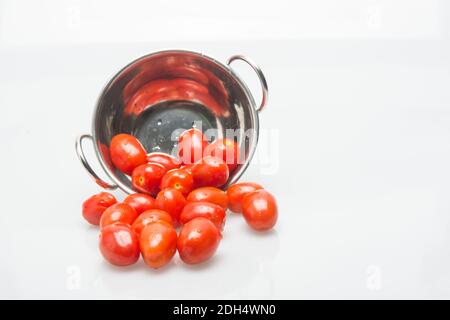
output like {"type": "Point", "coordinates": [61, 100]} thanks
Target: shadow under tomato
{"type": "Point", "coordinates": [244, 259]}
{"type": "Point", "coordinates": [272, 233]}
{"type": "Point", "coordinates": [215, 260]}
{"type": "Point", "coordinates": [120, 269]}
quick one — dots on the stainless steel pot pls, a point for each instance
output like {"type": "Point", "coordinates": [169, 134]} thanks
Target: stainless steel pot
{"type": "Point", "coordinates": [157, 95]}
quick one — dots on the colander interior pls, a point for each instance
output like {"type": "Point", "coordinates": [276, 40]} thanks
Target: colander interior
{"type": "Point", "coordinates": [158, 96]}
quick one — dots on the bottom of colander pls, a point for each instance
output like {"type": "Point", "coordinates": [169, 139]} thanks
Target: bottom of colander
{"type": "Point", "coordinates": [159, 126]}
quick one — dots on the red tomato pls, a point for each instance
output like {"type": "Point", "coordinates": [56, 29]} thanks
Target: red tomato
{"type": "Point", "coordinates": [147, 178]}
{"type": "Point", "coordinates": [94, 207]}
{"type": "Point", "coordinates": [140, 202]}
{"type": "Point", "coordinates": [119, 244]}
{"type": "Point", "coordinates": [148, 217]}
{"type": "Point", "coordinates": [225, 149]}
{"type": "Point", "coordinates": [187, 167]}
{"type": "Point", "coordinates": [172, 201]}
{"type": "Point", "coordinates": [119, 212]}
{"type": "Point", "coordinates": [260, 209]}
{"type": "Point", "coordinates": [209, 194]}
{"type": "Point", "coordinates": [191, 145]}
{"type": "Point", "coordinates": [165, 160]}
{"type": "Point", "coordinates": [179, 179]}
{"type": "Point", "coordinates": [210, 172]}
{"type": "Point", "coordinates": [237, 191]}
{"type": "Point", "coordinates": [207, 210]}
{"type": "Point", "coordinates": [198, 240]}
{"type": "Point", "coordinates": [158, 243]}
{"type": "Point", "coordinates": [127, 153]}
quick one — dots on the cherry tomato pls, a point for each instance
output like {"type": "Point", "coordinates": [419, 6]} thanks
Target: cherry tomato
{"type": "Point", "coordinates": [179, 179]}
{"type": "Point", "coordinates": [191, 145]}
{"type": "Point", "coordinates": [172, 201]}
{"type": "Point", "coordinates": [127, 153]}
{"type": "Point", "coordinates": [210, 172]}
{"type": "Point", "coordinates": [119, 244]}
{"type": "Point", "coordinates": [140, 202]}
{"type": "Point", "coordinates": [94, 207]}
{"type": "Point", "coordinates": [158, 243]}
{"type": "Point", "coordinates": [237, 191]}
{"type": "Point", "coordinates": [208, 210]}
{"type": "Point", "coordinates": [147, 178]}
{"type": "Point", "coordinates": [225, 149]}
{"type": "Point", "coordinates": [209, 194]}
{"type": "Point", "coordinates": [198, 240]}
{"type": "Point", "coordinates": [148, 217]}
{"type": "Point", "coordinates": [187, 167]}
{"type": "Point", "coordinates": [119, 212]}
{"type": "Point", "coordinates": [260, 209]}
{"type": "Point", "coordinates": [163, 159]}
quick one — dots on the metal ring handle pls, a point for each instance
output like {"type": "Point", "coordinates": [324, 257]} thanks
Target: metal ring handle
{"type": "Point", "coordinates": [262, 78]}
{"type": "Point", "coordinates": [91, 172]}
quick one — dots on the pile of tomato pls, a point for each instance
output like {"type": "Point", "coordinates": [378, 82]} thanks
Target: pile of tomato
{"type": "Point", "coordinates": [173, 193]}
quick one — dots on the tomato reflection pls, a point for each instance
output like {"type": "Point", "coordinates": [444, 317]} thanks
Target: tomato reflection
{"type": "Point", "coordinates": [153, 92]}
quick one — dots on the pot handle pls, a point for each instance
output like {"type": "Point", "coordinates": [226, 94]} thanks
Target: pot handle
{"type": "Point", "coordinates": [91, 172]}
{"type": "Point", "coordinates": [259, 73]}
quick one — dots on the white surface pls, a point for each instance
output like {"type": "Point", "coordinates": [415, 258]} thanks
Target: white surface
{"type": "Point", "coordinates": [359, 98]}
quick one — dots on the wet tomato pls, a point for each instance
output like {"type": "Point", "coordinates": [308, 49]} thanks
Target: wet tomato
{"type": "Point", "coordinates": [210, 172]}
{"type": "Point", "coordinates": [192, 144]}
{"type": "Point", "coordinates": [198, 240]}
{"type": "Point", "coordinates": [148, 217]}
{"type": "Point", "coordinates": [207, 210]}
{"type": "Point", "coordinates": [163, 159]}
{"type": "Point", "coordinates": [147, 178]}
{"type": "Point", "coordinates": [187, 167]}
{"type": "Point", "coordinates": [172, 201]}
{"type": "Point", "coordinates": [119, 244]}
{"type": "Point", "coordinates": [119, 212]}
{"type": "Point", "coordinates": [94, 207]}
{"type": "Point", "coordinates": [179, 179]}
{"type": "Point", "coordinates": [127, 153]}
{"type": "Point", "coordinates": [237, 191]}
{"type": "Point", "coordinates": [209, 194]}
{"type": "Point", "coordinates": [259, 209]}
{"type": "Point", "coordinates": [225, 149]}
{"type": "Point", "coordinates": [140, 202]}
{"type": "Point", "coordinates": [158, 244]}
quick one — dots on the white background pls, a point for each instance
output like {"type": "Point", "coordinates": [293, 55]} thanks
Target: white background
{"type": "Point", "coordinates": [359, 99]}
